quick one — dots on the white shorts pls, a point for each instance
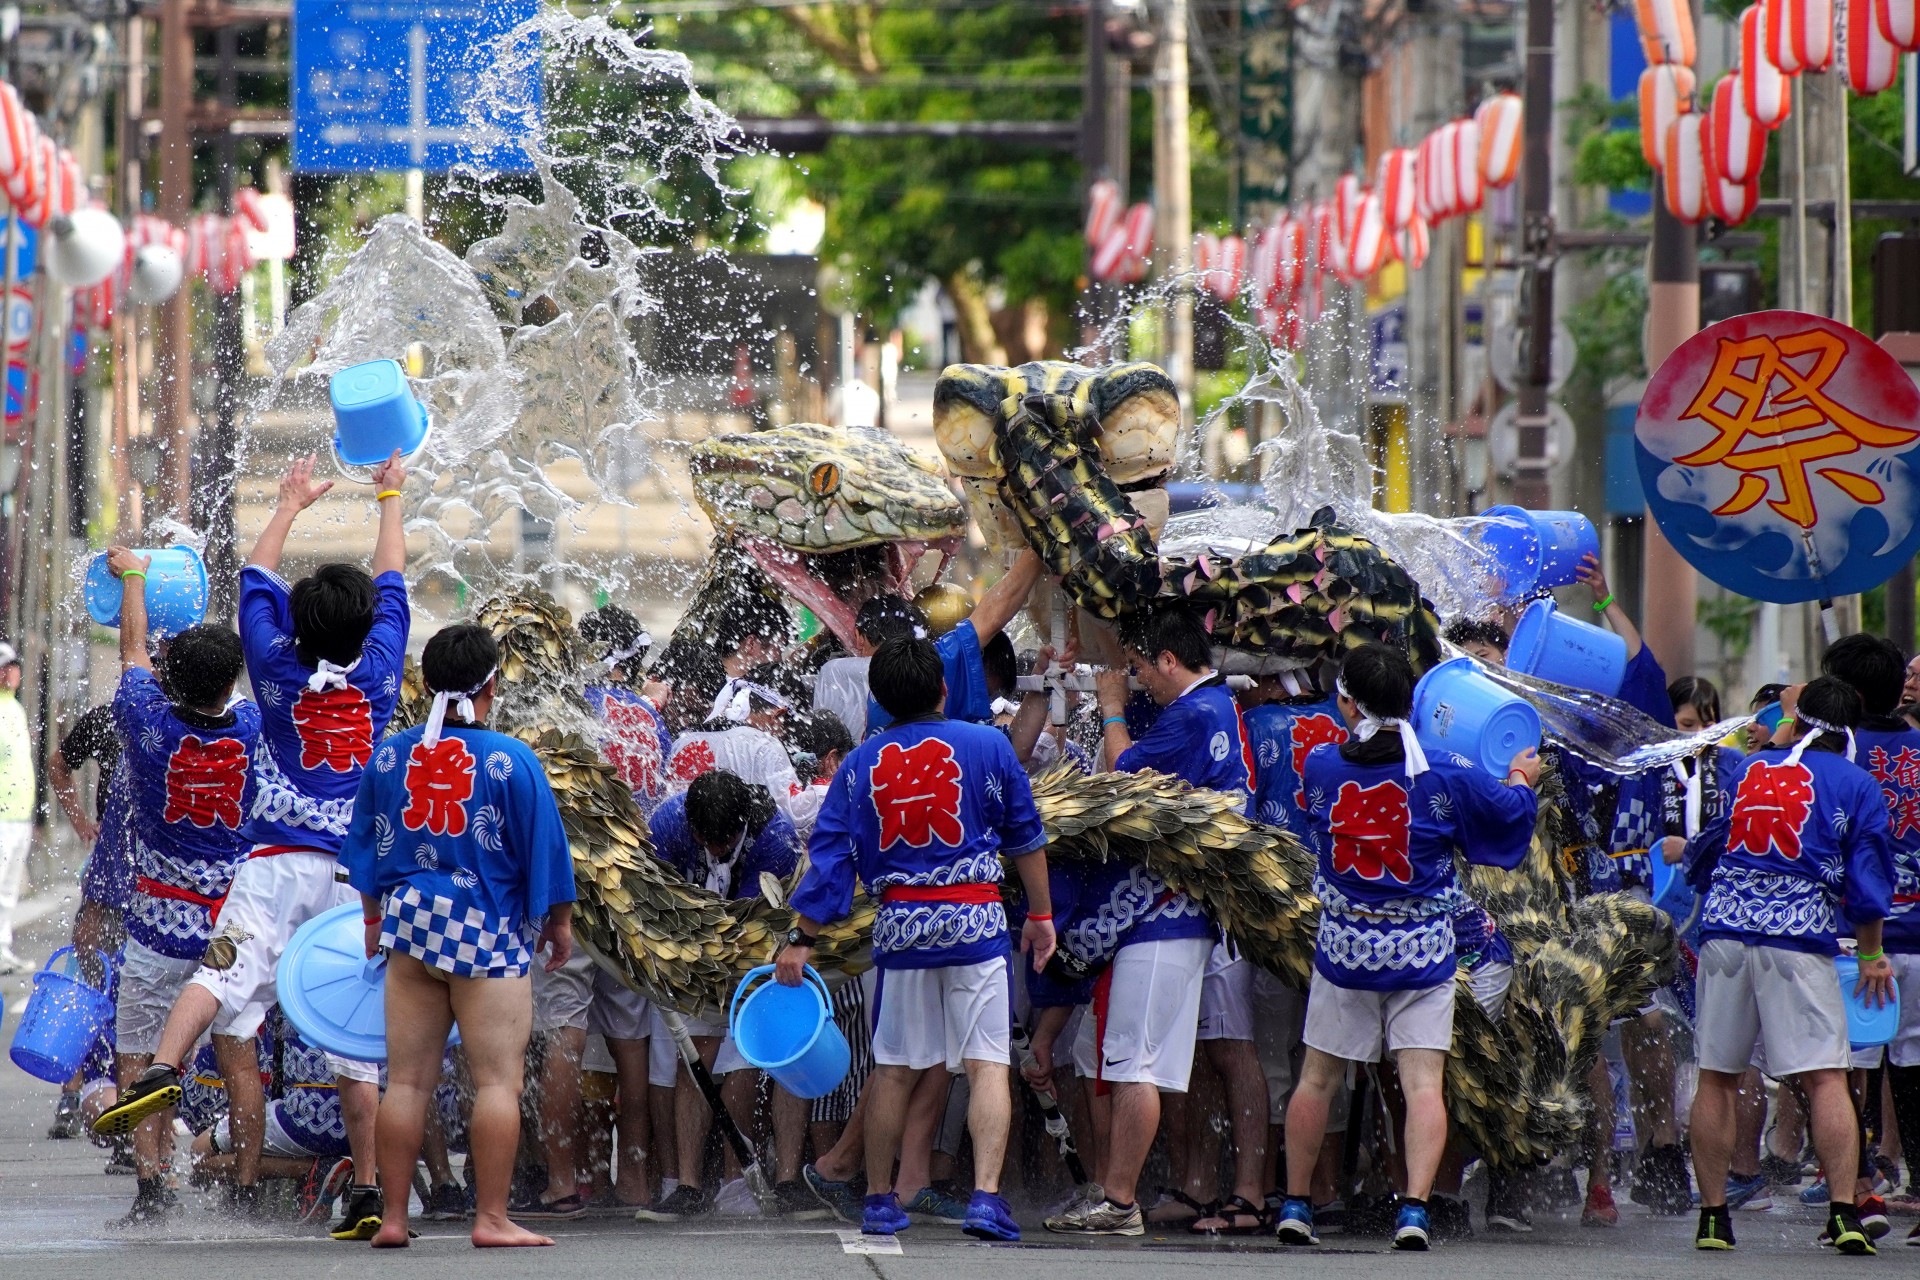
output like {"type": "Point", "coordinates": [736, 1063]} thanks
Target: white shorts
{"type": "Point", "coordinates": [663, 1054]}
{"type": "Point", "coordinates": [1789, 1001]}
{"type": "Point", "coordinates": [562, 998]}
{"type": "Point", "coordinates": [619, 1012]}
{"type": "Point", "coordinates": [1352, 1023]}
{"type": "Point", "coordinates": [1905, 1049]}
{"type": "Point", "coordinates": [269, 899]}
{"type": "Point", "coordinates": [1279, 1012]}
{"type": "Point", "coordinates": [278, 1141]}
{"type": "Point", "coordinates": [354, 1069]}
{"type": "Point", "coordinates": [927, 1017]}
{"type": "Point", "coordinates": [149, 985]}
{"type": "Point", "coordinates": [1226, 998]}
{"type": "Point", "coordinates": [1490, 984]}
{"type": "Point", "coordinates": [1152, 1015]}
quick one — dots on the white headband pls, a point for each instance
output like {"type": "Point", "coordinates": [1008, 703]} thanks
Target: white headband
{"type": "Point", "coordinates": [462, 705]}
{"type": "Point", "coordinates": [329, 676]}
{"type": "Point", "coordinates": [735, 702]}
{"type": "Point", "coordinates": [1814, 729]}
{"type": "Point", "coordinates": [620, 657]}
{"type": "Point", "coordinates": [1371, 724]}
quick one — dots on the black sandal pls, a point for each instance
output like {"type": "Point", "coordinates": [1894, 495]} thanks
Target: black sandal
{"type": "Point", "coordinates": [1231, 1209]}
{"type": "Point", "coordinates": [1168, 1193]}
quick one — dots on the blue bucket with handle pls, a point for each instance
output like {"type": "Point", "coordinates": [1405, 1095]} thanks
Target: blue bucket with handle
{"type": "Point", "coordinates": [374, 413]}
{"type": "Point", "coordinates": [64, 1017]}
{"type": "Point", "coordinates": [1669, 888]}
{"type": "Point", "coordinates": [176, 590]}
{"type": "Point", "coordinates": [789, 1032]}
{"type": "Point", "coordinates": [1458, 710]}
{"type": "Point", "coordinates": [1536, 550]}
{"type": "Point", "coordinates": [1554, 646]}
{"type": "Point", "coordinates": [1868, 1026]}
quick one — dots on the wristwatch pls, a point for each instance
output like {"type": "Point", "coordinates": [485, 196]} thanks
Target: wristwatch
{"type": "Point", "coordinates": [797, 938]}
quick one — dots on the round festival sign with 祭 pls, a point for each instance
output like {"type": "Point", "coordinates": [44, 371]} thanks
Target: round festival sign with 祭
{"type": "Point", "coordinates": [1777, 452]}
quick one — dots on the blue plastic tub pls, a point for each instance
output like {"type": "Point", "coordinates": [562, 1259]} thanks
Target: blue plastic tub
{"type": "Point", "coordinates": [1536, 550]}
{"type": "Point", "coordinates": [63, 1019]}
{"type": "Point", "coordinates": [1670, 890]}
{"type": "Point", "coordinates": [176, 590]}
{"type": "Point", "coordinates": [1558, 647]}
{"type": "Point", "coordinates": [789, 1033]}
{"type": "Point", "coordinates": [374, 413]}
{"type": "Point", "coordinates": [1868, 1027]}
{"type": "Point", "coordinates": [1458, 710]}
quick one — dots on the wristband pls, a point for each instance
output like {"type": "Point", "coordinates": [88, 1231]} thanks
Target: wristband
{"type": "Point", "coordinates": [1600, 606]}
{"type": "Point", "coordinates": [372, 919]}
{"type": "Point", "coordinates": [1047, 917]}
{"type": "Point", "coordinates": [1786, 722]}
{"type": "Point", "coordinates": [1119, 720]}
{"type": "Point", "coordinates": [1517, 773]}
{"type": "Point", "coordinates": [1879, 953]}
{"type": "Point", "coordinates": [134, 573]}
{"type": "Point", "coordinates": [395, 493]}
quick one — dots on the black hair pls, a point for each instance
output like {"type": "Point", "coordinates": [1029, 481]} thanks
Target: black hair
{"type": "Point", "coordinates": [1380, 679]}
{"type": "Point", "coordinates": [887, 615]}
{"type": "Point", "coordinates": [332, 612]}
{"type": "Point", "coordinates": [611, 629]}
{"type": "Point", "coordinates": [1001, 667]}
{"type": "Point", "coordinates": [458, 658]}
{"type": "Point", "coordinates": [1168, 628]}
{"type": "Point", "coordinates": [1697, 692]}
{"type": "Point", "coordinates": [1831, 700]}
{"type": "Point", "coordinates": [820, 734]}
{"type": "Point", "coordinates": [720, 806]}
{"type": "Point", "coordinates": [1466, 631]}
{"type": "Point", "coordinates": [695, 673]}
{"type": "Point", "coordinates": [751, 615]}
{"type": "Point", "coordinates": [1873, 665]}
{"type": "Point", "coordinates": [1765, 695]}
{"type": "Point", "coordinates": [906, 677]}
{"type": "Point", "coordinates": [202, 664]}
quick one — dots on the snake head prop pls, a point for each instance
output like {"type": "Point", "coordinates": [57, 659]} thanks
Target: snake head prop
{"type": "Point", "coordinates": [832, 514]}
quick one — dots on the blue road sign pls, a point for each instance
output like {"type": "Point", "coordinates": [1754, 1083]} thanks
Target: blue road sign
{"type": "Point", "coordinates": [382, 85]}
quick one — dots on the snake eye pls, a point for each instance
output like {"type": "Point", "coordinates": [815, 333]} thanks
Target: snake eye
{"type": "Point", "coordinates": [824, 480]}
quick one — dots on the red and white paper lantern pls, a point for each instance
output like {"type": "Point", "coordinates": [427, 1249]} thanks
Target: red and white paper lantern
{"type": "Point", "coordinates": [1899, 22]}
{"type": "Point", "coordinates": [1873, 61]}
{"type": "Point", "coordinates": [1412, 243]}
{"type": "Point", "coordinates": [1666, 31]}
{"type": "Point", "coordinates": [1440, 173]}
{"type": "Point", "coordinates": [1103, 210]}
{"type": "Point", "coordinates": [1121, 257]}
{"type": "Point", "coordinates": [1799, 34]}
{"type": "Point", "coordinates": [1739, 145]}
{"type": "Point", "coordinates": [1290, 262]}
{"type": "Point", "coordinates": [1469, 189]}
{"type": "Point", "coordinates": [1224, 266]}
{"type": "Point", "coordinates": [34, 210]}
{"type": "Point", "coordinates": [1393, 180]}
{"type": "Point", "coordinates": [1499, 119]}
{"type": "Point", "coordinates": [1685, 174]}
{"type": "Point", "coordinates": [1665, 92]}
{"type": "Point", "coordinates": [17, 144]}
{"type": "Point", "coordinates": [1765, 90]}
{"type": "Point", "coordinates": [1348, 195]}
{"type": "Point", "coordinates": [1367, 246]}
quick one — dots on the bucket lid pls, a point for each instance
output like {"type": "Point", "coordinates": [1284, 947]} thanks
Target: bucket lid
{"type": "Point", "coordinates": [1867, 1025]}
{"type": "Point", "coordinates": [333, 993]}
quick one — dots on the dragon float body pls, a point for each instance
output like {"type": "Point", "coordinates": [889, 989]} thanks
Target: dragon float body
{"type": "Point", "coordinates": [1069, 461]}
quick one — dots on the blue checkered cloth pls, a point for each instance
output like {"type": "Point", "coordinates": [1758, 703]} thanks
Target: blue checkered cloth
{"type": "Point", "coordinates": [470, 945]}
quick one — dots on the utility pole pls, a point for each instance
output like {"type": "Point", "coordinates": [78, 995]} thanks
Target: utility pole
{"type": "Point", "coordinates": [1670, 589]}
{"type": "Point", "coordinates": [1173, 194]}
{"type": "Point", "coordinates": [1532, 486]}
{"type": "Point", "coordinates": [125, 333]}
{"type": "Point", "coordinates": [217, 468]}
{"type": "Point", "coordinates": [174, 350]}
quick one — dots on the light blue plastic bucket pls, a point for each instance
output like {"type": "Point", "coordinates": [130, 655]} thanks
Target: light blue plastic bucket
{"type": "Point", "coordinates": [1536, 550]}
{"type": "Point", "coordinates": [176, 590]}
{"type": "Point", "coordinates": [63, 1019]}
{"type": "Point", "coordinates": [1670, 891]}
{"type": "Point", "coordinates": [1868, 1027]}
{"type": "Point", "coordinates": [1555, 646]}
{"type": "Point", "coordinates": [334, 994]}
{"type": "Point", "coordinates": [789, 1033]}
{"type": "Point", "coordinates": [1457, 710]}
{"type": "Point", "coordinates": [374, 413]}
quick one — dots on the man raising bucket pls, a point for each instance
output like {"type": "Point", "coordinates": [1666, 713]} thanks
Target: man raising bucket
{"type": "Point", "coordinates": [458, 853]}
{"type": "Point", "coordinates": [922, 813]}
{"type": "Point", "coordinates": [324, 658]}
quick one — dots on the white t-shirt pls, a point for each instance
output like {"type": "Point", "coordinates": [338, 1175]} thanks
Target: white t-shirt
{"type": "Point", "coordinates": [750, 754]}
{"type": "Point", "coordinates": [841, 687]}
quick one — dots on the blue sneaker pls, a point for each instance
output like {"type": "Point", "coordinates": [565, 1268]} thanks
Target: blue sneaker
{"type": "Point", "coordinates": [1412, 1227]}
{"type": "Point", "coordinates": [1295, 1224]}
{"type": "Point", "coordinates": [1817, 1193]}
{"type": "Point", "coordinates": [988, 1218]}
{"type": "Point", "coordinates": [1752, 1194]}
{"type": "Point", "coordinates": [883, 1216]}
{"type": "Point", "coordinates": [841, 1198]}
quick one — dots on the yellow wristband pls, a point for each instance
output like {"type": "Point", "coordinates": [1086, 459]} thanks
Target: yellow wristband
{"type": "Point", "coordinates": [384, 494]}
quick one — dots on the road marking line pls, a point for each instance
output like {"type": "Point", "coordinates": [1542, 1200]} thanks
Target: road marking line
{"type": "Point", "coordinates": [860, 1242]}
